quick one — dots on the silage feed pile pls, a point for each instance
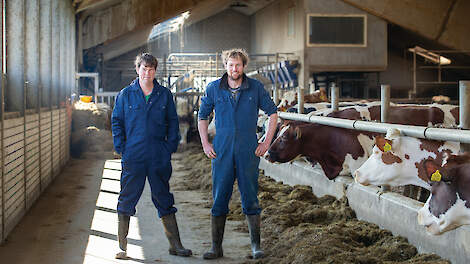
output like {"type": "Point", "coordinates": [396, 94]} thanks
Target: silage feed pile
{"type": "Point", "coordinates": [91, 131]}
{"type": "Point", "coordinates": [298, 227]}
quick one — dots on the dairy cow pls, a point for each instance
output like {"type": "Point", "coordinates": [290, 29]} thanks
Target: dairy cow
{"type": "Point", "coordinates": [399, 160]}
{"type": "Point", "coordinates": [289, 99]}
{"type": "Point", "coordinates": [337, 150]}
{"type": "Point", "coordinates": [325, 144]}
{"type": "Point", "coordinates": [448, 207]}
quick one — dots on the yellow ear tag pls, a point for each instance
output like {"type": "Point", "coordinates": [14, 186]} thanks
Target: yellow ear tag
{"type": "Point", "coordinates": [322, 97]}
{"type": "Point", "coordinates": [387, 147]}
{"type": "Point", "coordinates": [436, 176]}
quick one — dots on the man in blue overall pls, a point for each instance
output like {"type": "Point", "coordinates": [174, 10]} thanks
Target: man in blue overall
{"type": "Point", "coordinates": [235, 152]}
{"type": "Point", "coordinates": [145, 132]}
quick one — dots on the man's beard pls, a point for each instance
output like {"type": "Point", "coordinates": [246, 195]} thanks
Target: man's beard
{"type": "Point", "coordinates": [235, 79]}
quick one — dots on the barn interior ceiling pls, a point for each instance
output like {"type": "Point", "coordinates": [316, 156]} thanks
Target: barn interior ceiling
{"type": "Point", "coordinates": [118, 26]}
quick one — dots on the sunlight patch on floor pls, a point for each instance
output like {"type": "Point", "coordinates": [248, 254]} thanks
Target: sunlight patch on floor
{"type": "Point", "coordinates": [102, 243]}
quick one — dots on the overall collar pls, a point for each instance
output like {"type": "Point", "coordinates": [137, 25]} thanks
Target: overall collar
{"type": "Point", "coordinates": [135, 86]}
{"type": "Point", "coordinates": [224, 82]}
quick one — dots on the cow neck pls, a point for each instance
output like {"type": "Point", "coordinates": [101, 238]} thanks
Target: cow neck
{"type": "Point", "coordinates": [463, 183]}
{"type": "Point", "coordinates": [332, 144]}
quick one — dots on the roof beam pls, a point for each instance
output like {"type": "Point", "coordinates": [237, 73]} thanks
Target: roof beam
{"type": "Point", "coordinates": [127, 16]}
{"type": "Point", "coordinates": [439, 20]}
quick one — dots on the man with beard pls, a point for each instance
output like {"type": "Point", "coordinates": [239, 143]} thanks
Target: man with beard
{"type": "Point", "coordinates": [236, 100]}
{"type": "Point", "coordinates": [145, 132]}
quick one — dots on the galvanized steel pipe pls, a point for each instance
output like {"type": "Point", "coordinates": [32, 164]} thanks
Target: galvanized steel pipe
{"type": "Point", "coordinates": [464, 109]}
{"type": "Point", "coordinates": [384, 102]}
{"type": "Point", "coordinates": [445, 134]}
{"type": "Point", "coordinates": [334, 97]}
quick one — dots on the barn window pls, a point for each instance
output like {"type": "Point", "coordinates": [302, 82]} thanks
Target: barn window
{"type": "Point", "coordinates": [290, 22]}
{"type": "Point", "coordinates": [337, 30]}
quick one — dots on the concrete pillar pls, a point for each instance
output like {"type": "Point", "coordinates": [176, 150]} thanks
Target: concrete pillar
{"type": "Point", "coordinates": [15, 29]}
{"type": "Point", "coordinates": [55, 52]}
{"type": "Point", "coordinates": [31, 53]}
{"type": "Point", "coordinates": [45, 59]}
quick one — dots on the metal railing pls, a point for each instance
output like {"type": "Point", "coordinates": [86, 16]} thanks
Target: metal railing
{"type": "Point", "coordinates": [432, 133]}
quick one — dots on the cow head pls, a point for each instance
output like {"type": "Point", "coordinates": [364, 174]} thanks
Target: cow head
{"type": "Point", "coordinates": [448, 206]}
{"type": "Point", "coordinates": [398, 160]}
{"type": "Point", "coordinates": [287, 145]}
{"type": "Point", "coordinates": [385, 162]}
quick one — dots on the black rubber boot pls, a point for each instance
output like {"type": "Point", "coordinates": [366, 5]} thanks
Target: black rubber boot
{"type": "Point", "coordinates": [254, 222]}
{"type": "Point", "coordinates": [123, 230]}
{"type": "Point", "coordinates": [172, 233]}
{"type": "Point", "coordinates": [218, 226]}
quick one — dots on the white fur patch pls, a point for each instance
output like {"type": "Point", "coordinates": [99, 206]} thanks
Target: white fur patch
{"type": "Point", "coordinates": [456, 216]}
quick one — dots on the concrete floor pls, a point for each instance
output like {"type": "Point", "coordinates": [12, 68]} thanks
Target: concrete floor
{"type": "Point", "coordinates": [75, 221]}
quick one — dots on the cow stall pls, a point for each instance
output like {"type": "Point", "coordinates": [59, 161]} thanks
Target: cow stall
{"type": "Point", "coordinates": [387, 209]}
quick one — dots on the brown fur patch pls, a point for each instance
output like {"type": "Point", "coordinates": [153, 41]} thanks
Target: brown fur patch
{"type": "Point", "coordinates": [430, 145]}
{"type": "Point", "coordinates": [389, 158]}
{"type": "Point", "coordinates": [455, 114]}
{"type": "Point", "coordinates": [350, 113]}
{"type": "Point", "coordinates": [410, 115]}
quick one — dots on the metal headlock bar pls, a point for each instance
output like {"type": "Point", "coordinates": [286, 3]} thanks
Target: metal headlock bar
{"type": "Point", "coordinates": [445, 134]}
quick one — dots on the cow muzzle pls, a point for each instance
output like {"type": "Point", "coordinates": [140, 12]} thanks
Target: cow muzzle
{"type": "Point", "coordinates": [272, 156]}
{"type": "Point", "coordinates": [360, 178]}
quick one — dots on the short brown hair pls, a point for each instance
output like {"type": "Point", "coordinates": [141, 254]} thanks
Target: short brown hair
{"type": "Point", "coordinates": [235, 53]}
{"type": "Point", "coordinates": [147, 59]}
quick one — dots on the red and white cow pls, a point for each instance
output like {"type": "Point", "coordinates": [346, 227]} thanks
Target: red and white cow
{"type": "Point", "coordinates": [289, 99]}
{"type": "Point", "coordinates": [337, 150]}
{"type": "Point", "coordinates": [399, 160]}
{"type": "Point", "coordinates": [342, 150]}
{"type": "Point", "coordinates": [448, 207]}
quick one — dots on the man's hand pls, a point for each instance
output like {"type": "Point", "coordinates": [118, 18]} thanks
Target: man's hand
{"type": "Point", "coordinates": [261, 149]}
{"type": "Point", "coordinates": [117, 155]}
{"type": "Point", "coordinates": [209, 150]}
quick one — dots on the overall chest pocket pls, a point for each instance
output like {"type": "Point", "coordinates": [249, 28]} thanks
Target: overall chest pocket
{"type": "Point", "coordinates": [250, 105]}
{"type": "Point", "coordinates": [134, 110]}
{"type": "Point", "coordinates": [133, 115]}
{"type": "Point", "coordinates": [158, 114]}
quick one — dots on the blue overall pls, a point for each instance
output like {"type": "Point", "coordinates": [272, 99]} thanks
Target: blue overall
{"type": "Point", "coordinates": [145, 134]}
{"type": "Point", "coordinates": [235, 141]}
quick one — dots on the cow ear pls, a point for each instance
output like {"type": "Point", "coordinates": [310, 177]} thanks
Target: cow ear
{"type": "Point", "coordinates": [431, 168]}
{"type": "Point", "coordinates": [298, 133]}
{"type": "Point", "coordinates": [383, 144]}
